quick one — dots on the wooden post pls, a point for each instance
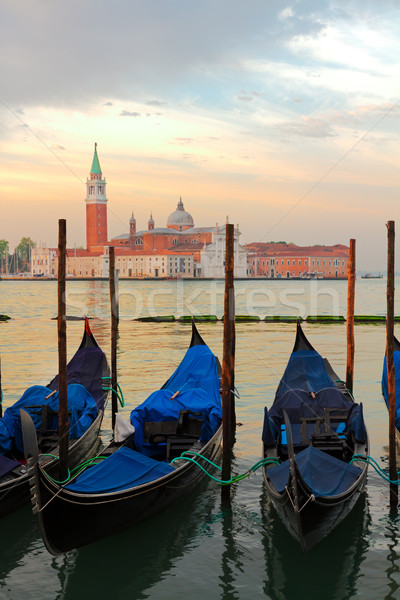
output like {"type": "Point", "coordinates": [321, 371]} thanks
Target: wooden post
{"type": "Point", "coordinates": [351, 284]}
{"type": "Point", "coordinates": [114, 329]}
{"type": "Point", "coordinates": [63, 425]}
{"type": "Point", "coordinates": [227, 362]}
{"type": "Point", "coordinates": [390, 367]}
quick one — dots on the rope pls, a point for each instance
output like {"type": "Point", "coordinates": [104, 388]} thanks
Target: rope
{"type": "Point", "coordinates": [118, 392]}
{"type": "Point", "coordinates": [76, 470]}
{"type": "Point", "coordinates": [373, 463]}
{"type": "Point", "coordinates": [236, 478]}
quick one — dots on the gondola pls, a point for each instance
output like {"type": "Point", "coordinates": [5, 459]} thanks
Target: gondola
{"type": "Point", "coordinates": [311, 435]}
{"type": "Point", "coordinates": [87, 395]}
{"type": "Point", "coordinates": [138, 477]}
{"type": "Point", "coordinates": [385, 391]}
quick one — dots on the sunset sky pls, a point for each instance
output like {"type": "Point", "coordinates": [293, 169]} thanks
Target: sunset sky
{"type": "Point", "coordinates": [283, 115]}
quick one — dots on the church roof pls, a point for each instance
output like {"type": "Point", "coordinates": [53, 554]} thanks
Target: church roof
{"type": "Point", "coordinates": [180, 216]}
{"type": "Point", "coordinates": [96, 169]}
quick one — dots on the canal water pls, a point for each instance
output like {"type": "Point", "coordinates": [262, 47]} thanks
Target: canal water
{"type": "Point", "coordinates": [196, 549]}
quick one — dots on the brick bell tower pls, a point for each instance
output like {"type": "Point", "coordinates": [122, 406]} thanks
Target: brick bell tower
{"type": "Point", "coordinates": [96, 205]}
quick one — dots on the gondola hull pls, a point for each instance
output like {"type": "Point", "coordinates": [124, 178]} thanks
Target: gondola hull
{"type": "Point", "coordinates": [318, 479]}
{"type": "Point", "coordinates": [69, 520]}
{"type": "Point", "coordinates": [14, 492]}
{"type": "Point", "coordinates": [316, 517]}
{"type": "Point", "coordinates": [14, 486]}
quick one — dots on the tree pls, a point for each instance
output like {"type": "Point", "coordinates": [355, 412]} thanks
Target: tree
{"type": "Point", "coordinates": [23, 252]}
{"type": "Point", "coordinates": [3, 254]}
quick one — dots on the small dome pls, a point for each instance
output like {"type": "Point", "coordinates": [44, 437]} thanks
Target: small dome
{"type": "Point", "coordinates": [132, 219]}
{"type": "Point", "coordinates": [180, 218]}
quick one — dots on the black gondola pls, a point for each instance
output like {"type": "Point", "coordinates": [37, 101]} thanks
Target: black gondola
{"type": "Point", "coordinates": [385, 391]}
{"type": "Point", "coordinates": [313, 430]}
{"type": "Point", "coordinates": [86, 398]}
{"type": "Point", "coordinates": [138, 479]}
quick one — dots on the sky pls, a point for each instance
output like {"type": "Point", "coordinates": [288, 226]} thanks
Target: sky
{"type": "Point", "coordinates": [282, 116]}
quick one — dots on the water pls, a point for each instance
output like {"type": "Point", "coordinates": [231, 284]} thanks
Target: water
{"type": "Point", "coordinates": [195, 549]}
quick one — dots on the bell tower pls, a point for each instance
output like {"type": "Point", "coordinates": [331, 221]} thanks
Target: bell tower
{"type": "Point", "coordinates": [96, 205]}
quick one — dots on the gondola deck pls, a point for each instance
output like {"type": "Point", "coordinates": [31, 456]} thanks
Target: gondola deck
{"type": "Point", "coordinates": [314, 428]}
{"type": "Point", "coordinates": [138, 480]}
{"type": "Point", "coordinates": [85, 372]}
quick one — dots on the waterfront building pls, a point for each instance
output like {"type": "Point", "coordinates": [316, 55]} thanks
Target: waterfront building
{"type": "Point", "coordinates": [285, 261]}
{"type": "Point", "coordinates": [178, 250]}
{"type": "Point", "coordinates": [42, 261]}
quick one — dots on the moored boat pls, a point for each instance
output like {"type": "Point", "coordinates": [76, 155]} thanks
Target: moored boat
{"type": "Point", "coordinates": [86, 373]}
{"type": "Point", "coordinates": [312, 435]}
{"type": "Point", "coordinates": [385, 390]}
{"type": "Point", "coordinates": [142, 474]}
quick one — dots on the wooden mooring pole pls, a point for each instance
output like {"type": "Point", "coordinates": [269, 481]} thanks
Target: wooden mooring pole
{"type": "Point", "coordinates": [228, 362]}
{"type": "Point", "coordinates": [63, 425]}
{"type": "Point", "coordinates": [390, 367]}
{"type": "Point", "coordinates": [351, 284]}
{"type": "Point", "coordinates": [114, 333]}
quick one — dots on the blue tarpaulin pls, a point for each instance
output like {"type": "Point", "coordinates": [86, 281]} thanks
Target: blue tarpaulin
{"type": "Point", "coordinates": [305, 371]}
{"type": "Point", "coordinates": [324, 474]}
{"type": "Point", "coordinates": [385, 390]}
{"type": "Point", "coordinates": [197, 381]}
{"type": "Point", "coordinates": [122, 470]}
{"type": "Point", "coordinates": [80, 403]}
{"type": "Point", "coordinates": [87, 367]}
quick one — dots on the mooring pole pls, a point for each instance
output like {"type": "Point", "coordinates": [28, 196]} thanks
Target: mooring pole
{"type": "Point", "coordinates": [114, 330]}
{"type": "Point", "coordinates": [390, 367]}
{"type": "Point", "coordinates": [351, 284]}
{"type": "Point", "coordinates": [227, 362]}
{"type": "Point", "coordinates": [63, 425]}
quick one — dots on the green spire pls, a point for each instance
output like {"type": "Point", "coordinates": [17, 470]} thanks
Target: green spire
{"type": "Point", "coordinates": [96, 169]}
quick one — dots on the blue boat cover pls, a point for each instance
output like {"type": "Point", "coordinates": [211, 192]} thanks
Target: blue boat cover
{"type": "Point", "coordinates": [299, 404]}
{"type": "Point", "coordinates": [385, 389]}
{"type": "Point", "coordinates": [80, 403]}
{"type": "Point", "coordinates": [324, 474]}
{"type": "Point", "coordinates": [122, 470]}
{"type": "Point", "coordinates": [304, 371]}
{"type": "Point", "coordinates": [197, 381]}
{"type": "Point", "coordinates": [7, 465]}
{"type": "Point", "coordinates": [87, 367]}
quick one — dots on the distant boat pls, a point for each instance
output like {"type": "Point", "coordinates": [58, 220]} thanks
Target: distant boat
{"type": "Point", "coordinates": [370, 276]}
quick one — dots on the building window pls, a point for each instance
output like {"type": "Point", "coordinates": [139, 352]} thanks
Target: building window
{"type": "Point", "coordinates": [139, 242]}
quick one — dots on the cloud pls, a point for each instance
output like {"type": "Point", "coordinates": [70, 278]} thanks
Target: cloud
{"type": "Point", "coordinates": [127, 113]}
{"type": "Point", "coordinates": [156, 103]}
{"type": "Point", "coordinates": [308, 128]}
{"type": "Point", "coordinates": [108, 104]}
{"type": "Point", "coordinates": [182, 141]}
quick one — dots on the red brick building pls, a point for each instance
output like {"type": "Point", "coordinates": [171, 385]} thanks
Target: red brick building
{"type": "Point", "coordinates": [284, 261]}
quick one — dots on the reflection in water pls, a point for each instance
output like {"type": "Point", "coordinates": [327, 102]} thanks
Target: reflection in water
{"type": "Point", "coordinates": [329, 571]}
{"type": "Point", "coordinates": [196, 550]}
{"type": "Point", "coordinates": [128, 564]}
{"type": "Point", "coordinates": [392, 535]}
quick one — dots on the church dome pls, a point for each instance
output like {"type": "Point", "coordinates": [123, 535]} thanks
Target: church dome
{"type": "Point", "coordinates": [180, 219]}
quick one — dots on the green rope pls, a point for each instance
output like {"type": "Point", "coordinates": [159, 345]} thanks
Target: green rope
{"type": "Point", "coordinates": [118, 392]}
{"type": "Point", "coordinates": [372, 463]}
{"type": "Point", "coordinates": [236, 478]}
{"type": "Point", "coordinates": [90, 462]}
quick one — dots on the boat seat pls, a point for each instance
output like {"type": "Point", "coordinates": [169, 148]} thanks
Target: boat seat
{"type": "Point", "coordinates": [188, 425]}
{"type": "Point", "coordinates": [325, 432]}
{"type": "Point", "coordinates": [46, 433]}
{"type": "Point", "coordinates": [177, 445]}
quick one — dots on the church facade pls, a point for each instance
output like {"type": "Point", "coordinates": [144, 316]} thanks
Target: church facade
{"type": "Point", "coordinates": [178, 250]}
